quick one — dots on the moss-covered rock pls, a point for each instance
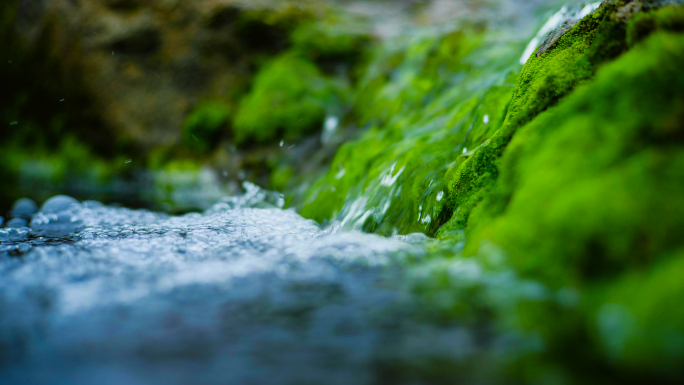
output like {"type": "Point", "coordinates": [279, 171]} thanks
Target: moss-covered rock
{"type": "Point", "coordinates": [425, 105]}
{"type": "Point", "coordinates": [289, 99]}
{"type": "Point", "coordinates": [589, 196]}
{"type": "Point", "coordinates": [571, 61]}
{"type": "Point", "coordinates": [203, 125]}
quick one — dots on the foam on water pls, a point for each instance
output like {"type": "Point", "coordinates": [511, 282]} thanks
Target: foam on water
{"type": "Point", "coordinates": [243, 292]}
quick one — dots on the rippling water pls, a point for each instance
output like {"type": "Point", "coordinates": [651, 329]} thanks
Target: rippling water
{"type": "Point", "coordinates": [245, 292]}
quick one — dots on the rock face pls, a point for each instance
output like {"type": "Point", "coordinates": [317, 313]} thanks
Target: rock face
{"type": "Point", "coordinates": [145, 64]}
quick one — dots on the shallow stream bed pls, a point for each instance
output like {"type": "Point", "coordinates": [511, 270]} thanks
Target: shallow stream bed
{"type": "Point", "coordinates": [243, 293]}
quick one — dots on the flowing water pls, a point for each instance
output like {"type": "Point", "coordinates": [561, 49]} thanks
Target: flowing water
{"type": "Point", "coordinates": [247, 292]}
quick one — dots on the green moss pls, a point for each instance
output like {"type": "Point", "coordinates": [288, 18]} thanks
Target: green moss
{"type": "Point", "coordinates": [638, 321]}
{"type": "Point", "coordinates": [587, 196]}
{"type": "Point", "coordinates": [204, 124]}
{"type": "Point", "coordinates": [664, 19]}
{"type": "Point", "coordinates": [585, 182]}
{"type": "Point", "coordinates": [425, 111]}
{"type": "Point", "coordinates": [70, 159]}
{"type": "Point", "coordinates": [544, 80]}
{"type": "Point", "coordinates": [331, 40]}
{"type": "Point", "coordinates": [280, 177]}
{"type": "Point", "coordinates": [289, 99]}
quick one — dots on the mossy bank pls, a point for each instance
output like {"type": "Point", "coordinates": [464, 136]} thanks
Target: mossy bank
{"type": "Point", "coordinates": [571, 167]}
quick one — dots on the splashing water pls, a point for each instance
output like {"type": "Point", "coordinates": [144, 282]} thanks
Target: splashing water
{"type": "Point", "coordinates": [243, 292]}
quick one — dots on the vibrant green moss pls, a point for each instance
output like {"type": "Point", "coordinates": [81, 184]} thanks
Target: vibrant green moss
{"type": "Point", "coordinates": [586, 182]}
{"type": "Point", "coordinates": [586, 198]}
{"type": "Point", "coordinates": [289, 98]}
{"type": "Point", "coordinates": [425, 113]}
{"type": "Point", "coordinates": [204, 124]}
{"type": "Point", "coordinates": [571, 61]}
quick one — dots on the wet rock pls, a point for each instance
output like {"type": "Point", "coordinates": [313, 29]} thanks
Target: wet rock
{"type": "Point", "coordinates": [59, 203]}
{"type": "Point", "coordinates": [626, 11]}
{"type": "Point", "coordinates": [23, 208]}
{"type": "Point", "coordinates": [16, 223]}
{"type": "Point", "coordinates": [555, 35]}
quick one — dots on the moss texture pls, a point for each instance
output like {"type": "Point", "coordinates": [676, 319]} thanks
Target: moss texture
{"type": "Point", "coordinates": [424, 103]}
{"type": "Point", "coordinates": [204, 124]}
{"type": "Point", "coordinates": [568, 201]}
{"type": "Point", "coordinates": [570, 62]}
{"type": "Point", "coordinates": [289, 99]}
{"type": "Point", "coordinates": [588, 195]}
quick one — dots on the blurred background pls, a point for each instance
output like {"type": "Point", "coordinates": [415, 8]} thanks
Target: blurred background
{"type": "Point", "coordinates": [170, 105]}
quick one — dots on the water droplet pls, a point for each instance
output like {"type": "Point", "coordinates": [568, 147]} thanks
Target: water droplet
{"type": "Point", "coordinates": [329, 128]}
{"type": "Point", "coordinates": [281, 143]}
{"type": "Point", "coordinates": [440, 195]}
{"type": "Point", "coordinates": [340, 173]}
{"type": "Point", "coordinates": [486, 119]}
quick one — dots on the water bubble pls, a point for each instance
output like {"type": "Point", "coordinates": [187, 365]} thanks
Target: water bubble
{"type": "Point", "coordinates": [59, 203]}
{"type": "Point", "coordinates": [17, 223]}
{"type": "Point", "coordinates": [341, 172]}
{"type": "Point", "coordinates": [23, 208]}
{"type": "Point", "coordinates": [329, 128]}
